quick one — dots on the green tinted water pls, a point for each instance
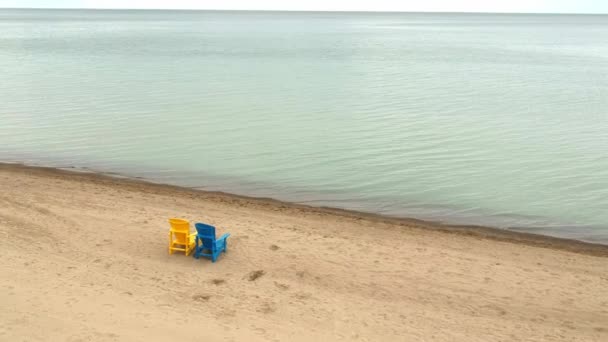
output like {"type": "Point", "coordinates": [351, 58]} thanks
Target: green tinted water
{"type": "Point", "coordinates": [487, 119]}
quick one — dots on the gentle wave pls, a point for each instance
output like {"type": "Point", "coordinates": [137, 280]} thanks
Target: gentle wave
{"type": "Point", "coordinates": [468, 119]}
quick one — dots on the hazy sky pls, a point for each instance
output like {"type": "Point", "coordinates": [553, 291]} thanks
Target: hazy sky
{"type": "Point", "coordinates": [553, 6]}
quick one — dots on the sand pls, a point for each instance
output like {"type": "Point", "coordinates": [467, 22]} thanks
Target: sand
{"type": "Point", "coordinates": [84, 258]}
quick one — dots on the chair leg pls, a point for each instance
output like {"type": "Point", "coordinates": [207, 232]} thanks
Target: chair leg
{"type": "Point", "coordinates": [170, 244]}
{"type": "Point", "coordinates": [197, 251]}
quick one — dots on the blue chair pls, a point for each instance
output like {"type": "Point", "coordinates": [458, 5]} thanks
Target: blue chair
{"type": "Point", "coordinates": [206, 244]}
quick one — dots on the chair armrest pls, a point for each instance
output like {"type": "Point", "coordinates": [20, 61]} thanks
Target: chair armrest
{"type": "Point", "coordinates": [223, 237]}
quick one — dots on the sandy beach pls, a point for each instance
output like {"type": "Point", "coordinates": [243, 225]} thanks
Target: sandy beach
{"type": "Point", "coordinates": [84, 258]}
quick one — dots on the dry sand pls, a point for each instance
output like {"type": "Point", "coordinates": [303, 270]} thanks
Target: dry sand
{"type": "Point", "coordinates": [84, 258]}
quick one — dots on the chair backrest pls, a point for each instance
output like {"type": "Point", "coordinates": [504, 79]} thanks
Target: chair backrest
{"type": "Point", "coordinates": [180, 229]}
{"type": "Point", "coordinates": [207, 234]}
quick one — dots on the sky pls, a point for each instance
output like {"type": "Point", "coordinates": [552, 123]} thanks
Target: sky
{"type": "Point", "coordinates": [517, 6]}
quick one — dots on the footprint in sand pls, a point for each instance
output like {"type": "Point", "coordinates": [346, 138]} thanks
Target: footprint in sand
{"type": "Point", "coordinates": [281, 286]}
{"type": "Point", "coordinates": [201, 297]}
{"type": "Point", "coordinates": [254, 275]}
{"type": "Point", "coordinates": [267, 308]}
{"type": "Point", "coordinates": [218, 281]}
{"type": "Point", "coordinates": [303, 295]}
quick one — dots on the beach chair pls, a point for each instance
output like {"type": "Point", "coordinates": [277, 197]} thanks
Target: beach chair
{"type": "Point", "coordinates": [180, 238]}
{"type": "Point", "coordinates": [206, 244]}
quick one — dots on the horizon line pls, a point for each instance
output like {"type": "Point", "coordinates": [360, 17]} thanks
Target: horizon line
{"type": "Point", "coordinates": [295, 11]}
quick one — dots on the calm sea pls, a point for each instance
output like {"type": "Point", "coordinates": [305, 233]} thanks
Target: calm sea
{"type": "Point", "coordinates": [498, 120]}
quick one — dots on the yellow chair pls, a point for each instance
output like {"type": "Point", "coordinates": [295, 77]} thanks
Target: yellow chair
{"type": "Point", "coordinates": [180, 238]}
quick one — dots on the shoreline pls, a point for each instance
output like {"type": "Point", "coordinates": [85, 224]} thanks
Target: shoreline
{"type": "Point", "coordinates": [477, 231]}
{"type": "Point", "coordinates": [291, 273]}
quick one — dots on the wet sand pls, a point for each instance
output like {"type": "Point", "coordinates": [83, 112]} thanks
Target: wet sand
{"type": "Point", "coordinates": [85, 258]}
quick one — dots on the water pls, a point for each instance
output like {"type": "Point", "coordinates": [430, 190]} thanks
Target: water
{"type": "Point", "coordinates": [486, 119]}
